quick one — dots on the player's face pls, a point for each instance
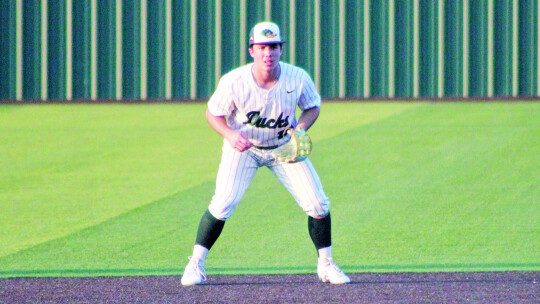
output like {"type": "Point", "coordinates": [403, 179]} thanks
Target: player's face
{"type": "Point", "coordinates": [266, 56]}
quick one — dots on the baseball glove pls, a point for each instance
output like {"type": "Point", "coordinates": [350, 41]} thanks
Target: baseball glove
{"type": "Point", "coordinates": [296, 150]}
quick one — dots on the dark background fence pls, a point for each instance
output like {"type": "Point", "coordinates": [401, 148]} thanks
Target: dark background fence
{"type": "Point", "coordinates": [178, 49]}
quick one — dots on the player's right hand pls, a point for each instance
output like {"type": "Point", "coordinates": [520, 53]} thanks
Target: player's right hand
{"type": "Point", "coordinates": [239, 141]}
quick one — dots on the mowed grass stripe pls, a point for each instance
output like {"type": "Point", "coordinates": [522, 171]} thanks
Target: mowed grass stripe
{"type": "Point", "coordinates": [177, 271]}
{"type": "Point", "coordinates": [67, 167]}
{"type": "Point", "coordinates": [147, 237]}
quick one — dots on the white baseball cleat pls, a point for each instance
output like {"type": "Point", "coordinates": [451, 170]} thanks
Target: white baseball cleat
{"type": "Point", "coordinates": [193, 273]}
{"type": "Point", "coordinates": [328, 271]}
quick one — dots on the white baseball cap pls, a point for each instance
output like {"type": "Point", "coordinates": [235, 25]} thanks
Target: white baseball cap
{"type": "Point", "coordinates": [265, 33]}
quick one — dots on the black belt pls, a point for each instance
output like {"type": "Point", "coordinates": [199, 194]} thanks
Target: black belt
{"type": "Point", "coordinates": [266, 148]}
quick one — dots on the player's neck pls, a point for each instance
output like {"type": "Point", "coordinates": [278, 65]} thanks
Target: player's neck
{"type": "Point", "coordinates": [266, 79]}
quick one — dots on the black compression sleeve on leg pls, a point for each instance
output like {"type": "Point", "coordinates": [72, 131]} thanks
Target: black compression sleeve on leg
{"type": "Point", "coordinates": [320, 231]}
{"type": "Point", "coordinates": [209, 230]}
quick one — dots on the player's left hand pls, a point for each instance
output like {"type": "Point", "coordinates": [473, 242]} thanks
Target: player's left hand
{"type": "Point", "coordinates": [297, 149]}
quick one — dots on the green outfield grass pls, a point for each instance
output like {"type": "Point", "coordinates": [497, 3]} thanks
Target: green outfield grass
{"type": "Point", "coordinates": [113, 189]}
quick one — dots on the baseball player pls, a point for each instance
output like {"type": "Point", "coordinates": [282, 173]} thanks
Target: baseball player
{"type": "Point", "coordinates": [252, 108]}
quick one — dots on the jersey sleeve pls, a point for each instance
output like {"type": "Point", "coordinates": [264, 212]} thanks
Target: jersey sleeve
{"type": "Point", "coordinates": [221, 103]}
{"type": "Point", "coordinates": [310, 98]}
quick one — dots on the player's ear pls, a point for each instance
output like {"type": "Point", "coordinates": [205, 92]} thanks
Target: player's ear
{"type": "Point", "coordinates": [251, 50]}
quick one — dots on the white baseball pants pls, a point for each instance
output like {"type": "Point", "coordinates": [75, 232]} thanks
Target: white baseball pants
{"type": "Point", "coordinates": [237, 169]}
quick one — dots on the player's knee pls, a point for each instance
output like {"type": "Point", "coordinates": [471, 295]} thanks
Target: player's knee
{"type": "Point", "coordinates": [220, 213]}
{"type": "Point", "coordinates": [320, 212]}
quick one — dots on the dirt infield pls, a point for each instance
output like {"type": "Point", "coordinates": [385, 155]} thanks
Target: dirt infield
{"type": "Point", "coordinates": [483, 287]}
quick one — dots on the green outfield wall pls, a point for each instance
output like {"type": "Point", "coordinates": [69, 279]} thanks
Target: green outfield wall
{"type": "Point", "coordinates": [177, 49]}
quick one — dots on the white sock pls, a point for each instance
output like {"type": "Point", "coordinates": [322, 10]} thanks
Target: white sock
{"type": "Point", "coordinates": [325, 253]}
{"type": "Point", "coordinates": [199, 253]}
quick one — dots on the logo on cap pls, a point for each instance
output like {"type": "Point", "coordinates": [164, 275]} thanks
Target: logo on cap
{"type": "Point", "coordinates": [268, 33]}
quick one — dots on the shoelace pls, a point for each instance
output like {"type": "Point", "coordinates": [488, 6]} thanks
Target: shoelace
{"type": "Point", "coordinates": [202, 274]}
{"type": "Point", "coordinates": [330, 263]}
{"type": "Point", "coordinates": [198, 269]}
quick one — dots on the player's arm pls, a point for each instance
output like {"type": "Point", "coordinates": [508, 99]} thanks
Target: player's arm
{"type": "Point", "coordinates": [307, 118]}
{"type": "Point", "coordinates": [235, 138]}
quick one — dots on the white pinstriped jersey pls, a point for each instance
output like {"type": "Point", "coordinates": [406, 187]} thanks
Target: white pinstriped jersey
{"type": "Point", "coordinates": [262, 115]}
